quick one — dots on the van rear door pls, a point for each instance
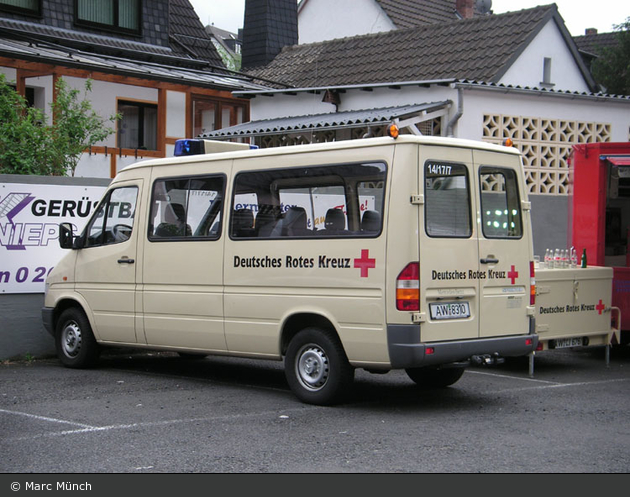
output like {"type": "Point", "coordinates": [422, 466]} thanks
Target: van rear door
{"type": "Point", "coordinates": [449, 261]}
{"type": "Point", "coordinates": [504, 245]}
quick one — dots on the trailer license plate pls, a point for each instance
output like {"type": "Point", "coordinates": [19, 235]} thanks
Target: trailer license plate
{"type": "Point", "coordinates": [450, 310]}
{"type": "Point", "coordinates": [563, 343]}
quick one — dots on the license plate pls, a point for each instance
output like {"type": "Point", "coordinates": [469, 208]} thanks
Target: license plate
{"type": "Point", "coordinates": [563, 343]}
{"type": "Point", "coordinates": [450, 310]}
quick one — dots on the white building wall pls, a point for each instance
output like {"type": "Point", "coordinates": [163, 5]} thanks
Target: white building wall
{"type": "Point", "coordinates": [10, 73]}
{"type": "Point", "coordinates": [94, 166]}
{"type": "Point", "coordinates": [302, 104]}
{"type": "Point", "coordinates": [176, 114]}
{"type": "Point", "coordinates": [104, 100]}
{"type": "Point", "coordinates": [43, 86]}
{"type": "Point", "coordinates": [320, 20]}
{"type": "Point", "coordinates": [528, 69]}
{"type": "Point", "coordinates": [477, 103]}
{"type": "Point", "coordinates": [305, 104]}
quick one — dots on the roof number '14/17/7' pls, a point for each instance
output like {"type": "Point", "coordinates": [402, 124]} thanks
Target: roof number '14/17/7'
{"type": "Point", "coordinates": [439, 169]}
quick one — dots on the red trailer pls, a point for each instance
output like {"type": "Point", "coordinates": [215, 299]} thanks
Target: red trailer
{"type": "Point", "coordinates": [601, 215]}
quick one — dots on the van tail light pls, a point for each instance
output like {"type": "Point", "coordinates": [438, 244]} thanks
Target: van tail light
{"type": "Point", "coordinates": [408, 288]}
{"type": "Point", "coordinates": [532, 284]}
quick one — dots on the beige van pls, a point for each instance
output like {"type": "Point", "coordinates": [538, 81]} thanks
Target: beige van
{"type": "Point", "coordinates": [412, 253]}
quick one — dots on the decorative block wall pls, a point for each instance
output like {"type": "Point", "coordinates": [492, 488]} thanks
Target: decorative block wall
{"type": "Point", "coordinates": [546, 145]}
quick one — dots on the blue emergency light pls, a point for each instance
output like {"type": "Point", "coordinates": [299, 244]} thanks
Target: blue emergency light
{"type": "Point", "coordinates": [197, 146]}
{"type": "Point", "coordinates": [189, 147]}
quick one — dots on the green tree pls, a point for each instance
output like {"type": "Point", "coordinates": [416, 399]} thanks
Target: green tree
{"type": "Point", "coordinates": [31, 145]}
{"type": "Point", "coordinates": [25, 141]}
{"type": "Point", "coordinates": [612, 68]}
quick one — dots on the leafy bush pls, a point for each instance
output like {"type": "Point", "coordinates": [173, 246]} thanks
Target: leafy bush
{"type": "Point", "coordinates": [32, 144]}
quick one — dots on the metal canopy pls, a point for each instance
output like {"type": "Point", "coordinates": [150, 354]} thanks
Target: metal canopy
{"type": "Point", "coordinates": [617, 160]}
{"type": "Point", "coordinates": [408, 117]}
{"type": "Point", "coordinates": [58, 55]}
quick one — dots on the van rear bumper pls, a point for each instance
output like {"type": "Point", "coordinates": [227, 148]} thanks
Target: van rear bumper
{"type": "Point", "coordinates": [405, 351]}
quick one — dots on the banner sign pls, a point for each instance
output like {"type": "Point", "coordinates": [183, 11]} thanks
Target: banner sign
{"type": "Point", "coordinates": [29, 230]}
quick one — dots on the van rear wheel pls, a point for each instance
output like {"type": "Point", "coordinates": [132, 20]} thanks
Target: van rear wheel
{"type": "Point", "coordinates": [429, 377]}
{"type": "Point", "coordinates": [316, 367]}
{"type": "Point", "coordinates": [74, 340]}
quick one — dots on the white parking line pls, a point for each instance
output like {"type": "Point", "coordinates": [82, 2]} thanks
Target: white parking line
{"type": "Point", "coordinates": [512, 377]}
{"type": "Point", "coordinates": [545, 384]}
{"type": "Point", "coordinates": [45, 418]}
{"type": "Point", "coordinates": [83, 428]}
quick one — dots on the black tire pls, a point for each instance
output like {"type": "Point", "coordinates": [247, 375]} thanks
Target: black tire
{"type": "Point", "coordinates": [435, 377]}
{"type": "Point", "coordinates": [74, 340]}
{"type": "Point", "coordinates": [316, 367]}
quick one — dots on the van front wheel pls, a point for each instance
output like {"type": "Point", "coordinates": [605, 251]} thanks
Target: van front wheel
{"type": "Point", "coordinates": [316, 367]}
{"type": "Point", "coordinates": [435, 377]}
{"type": "Point", "coordinates": [74, 340]}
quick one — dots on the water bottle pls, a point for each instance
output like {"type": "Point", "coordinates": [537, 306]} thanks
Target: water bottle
{"type": "Point", "coordinates": [573, 257]}
{"type": "Point", "coordinates": [547, 258]}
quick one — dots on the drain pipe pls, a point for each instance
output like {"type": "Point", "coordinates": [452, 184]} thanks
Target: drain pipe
{"type": "Point", "coordinates": [458, 114]}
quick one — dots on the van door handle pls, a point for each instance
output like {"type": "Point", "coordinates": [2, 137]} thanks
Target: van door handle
{"type": "Point", "coordinates": [126, 261]}
{"type": "Point", "coordinates": [489, 261]}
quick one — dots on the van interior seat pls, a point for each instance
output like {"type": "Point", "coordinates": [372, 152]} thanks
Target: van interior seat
{"type": "Point", "coordinates": [266, 219]}
{"type": "Point", "coordinates": [243, 223]}
{"type": "Point", "coordinates": [335, 221]}
{"type": "Point", "coordinates": [174, 224]}
{"type": "Point", "coordinates": [371, 221]}
{"type": "Point", "coordinates": [293, 223]}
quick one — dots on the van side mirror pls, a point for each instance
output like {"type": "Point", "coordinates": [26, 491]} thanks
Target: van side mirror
{"type": "Point", "coordinates": [66, 236]}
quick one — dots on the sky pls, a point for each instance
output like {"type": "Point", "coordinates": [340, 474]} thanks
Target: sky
{"type": "Point", "coordinates": [577, 14]}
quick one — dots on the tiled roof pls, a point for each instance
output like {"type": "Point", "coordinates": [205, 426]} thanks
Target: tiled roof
{"type": "Point", "coordinates": [41, 32]}
{"type": "Point", "coordinates": [478, 49]}
{"type": "Point", "coordinates": [189, 43]}
{"type": "Point", "coordinates": [595, 43]}
{"type": "Point", "coordinates": [62, 56]}
{"type": "Point", "coordinates": [412, 13]}
{"type": "Point", "coordinates": [186, 28]}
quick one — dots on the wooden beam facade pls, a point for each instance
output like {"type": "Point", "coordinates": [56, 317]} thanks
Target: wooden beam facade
{"type": "Point", "coordinates": [29, 69]}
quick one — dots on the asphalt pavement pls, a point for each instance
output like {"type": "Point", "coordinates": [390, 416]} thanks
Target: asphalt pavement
{"type": "Point", "coordinates": [159, 413]}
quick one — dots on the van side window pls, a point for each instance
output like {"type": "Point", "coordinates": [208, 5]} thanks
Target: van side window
{"type": "Point", "coordinates": [115, 227]}
{"type": "Point", "coordinates": [500, 204]}
{"type": "Point", "coordinates": [446, 200]}
{"type": "Point", "coordinates": [186, 208]}
{"type": "Point", "coordinates": [342, 200]}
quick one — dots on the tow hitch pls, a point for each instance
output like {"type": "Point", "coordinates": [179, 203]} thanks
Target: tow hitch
{"type": "Point", "coordinates": [486, 360]}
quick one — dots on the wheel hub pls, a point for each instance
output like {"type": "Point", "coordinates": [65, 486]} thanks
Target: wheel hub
{"type": "Point", "coordinates": [312, 367]}
{"type": "Point", "coordinates": [71, 339]}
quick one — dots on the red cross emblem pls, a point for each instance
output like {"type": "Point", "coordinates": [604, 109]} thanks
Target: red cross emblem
{"type": "Point", "coordinates": [600, 307]}
{"type": "Point", "coordinates": [365, 263]}
{"type": "Point", "coordinates": [513, 274]}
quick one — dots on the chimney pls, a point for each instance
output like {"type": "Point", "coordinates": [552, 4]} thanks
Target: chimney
{"type": "Point", "coordinates": [465, 8]}
{"type": "Point", "coordinates": [591, 31]}
{"type": "Point", "coordinates": [269, 25]}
